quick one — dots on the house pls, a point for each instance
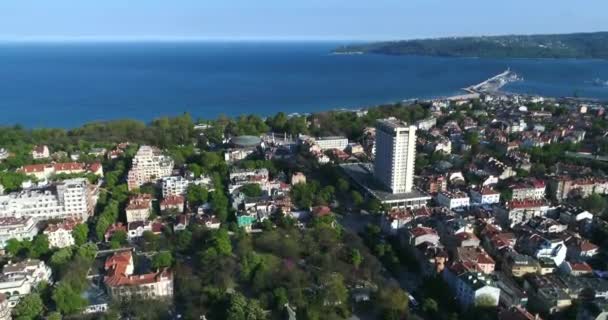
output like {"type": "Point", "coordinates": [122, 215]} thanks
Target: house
{"type": "Point", "coordinates": [531, 190]}
{"type": "Point", "coordinates": [581, 249]}
{"type": "Point", "coordinates": [472, 288]}
{"type": "Point", "coordinates": [20, 278]}
{"type": "Point", "coordinates": [434, 184]}
{"type": "Point", "coordinates": [41, 152]}
{"type": "Point", "coordinates": [172, 203]}
{"type": "Point", "coordinates": [453, 200]}
{"type": "Point", "coordinates": [485, 195]}
{"type": "Point", "coordinates": [478, 256]}
{"type": "Point", "coordinates": [136, 229]}
{"type": "Point", "coordinates": [60, 234]}
{"type": "Point", "coordinates": [519, 212]}
{"type": "Point", "coordinates": [297, 177]}
{"type": "Point", "coordinates": [519, 265]}
{"type": "Point", "coordinates": [419, 235]}
{"type": "Point", "coordinates": [181, 223]}
{"type": "Point", "coordinates": [113, 228]}
{"type": "Point", "coordinates": [121, 282]}
{"type": "Point", "coordinates": [139, 208]}
{"type": "Point", "coordinates": [576, 268]}
{"type": "Point", "coordinates": [23, 228]}
{"type": "Point", "coordinates": [396, 220]}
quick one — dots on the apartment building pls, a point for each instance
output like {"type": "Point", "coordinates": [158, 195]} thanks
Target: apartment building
{"type": "Point", "coordinates": [148, 165]}
{"type": "Point", "coordinates": [121, 283]}
{"type": "Point", "coordinates": [19, 279]}
{"type": "Point", "coordinates": [60, 234]}
{"type": "Point", "coordinates": [72, 198]}
{"type": "Point", "coordinates": [139, 208]}
{"type": "Point", "coordinates": [46, 171]}
{"type": "Point", "coordinates": [23, 228]}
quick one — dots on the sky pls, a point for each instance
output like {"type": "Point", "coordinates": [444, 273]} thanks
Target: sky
{"type": "Point", "coordinates": [294, 19]}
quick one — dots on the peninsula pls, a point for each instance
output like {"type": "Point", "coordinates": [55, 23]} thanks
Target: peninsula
{"type": "Point", "coordinates": [558, 46]}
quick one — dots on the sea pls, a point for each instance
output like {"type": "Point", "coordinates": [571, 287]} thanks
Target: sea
{"type": "Point", "coordinates": [67, 84]}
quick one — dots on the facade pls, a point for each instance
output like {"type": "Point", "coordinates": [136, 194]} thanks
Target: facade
{"type": "Point", "coordinates": [173, 202]}
{"type": "Point", "coordinates": [178, 185]}
{"type": "Point", "coordinates": [41, 152]}
{"type": "Point", "coordinates": [241, 177]}
{"type": "Point", "coordinates": [395, 155]}
{"type": "Point", "coordinates": [478, 256]}
{"type": "Point", "coordinates": [298, 177]}
{"type": "Point", "coordinates": [518, 212]}
{"type": "Point", "coordinates": [472, 288]}
{"type": "Point", "coordinates": [327, 143]}
{"type": "Point", "coordinates": [122, 284]}
{"type": "Point", "coordinates": [5, 309]}
{"type": "Point", "coordinates": [60, 234]}
{"type": "Point", "coordinates": [72, 198]}
{"type": "Point", "coordinates": [535, 190]}
{"type": "Point", "coordinates": [139, 208]}
{"type": "Point", "coordinates": [45, 171]}
{"type": "Point", "coordinates": [565, 187]}
{"type": "Point", "coordinates": [453, 200]}
{"type": "Point", "coordinates": [149, 165]}
{"type": "Point", "coordinates": [19, 279]}
{"type": "Point", "coordinates": [485, 196]}
{"type": "Point", "coordinates": [23, 228]}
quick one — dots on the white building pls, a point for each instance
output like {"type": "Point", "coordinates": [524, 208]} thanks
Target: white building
{"type": "Point", "coordinates": [40, 152]}
{"type": "Point", "coordinates": [534, 190]}
{"type": "Point", "coordinates": [241, 177]}
{"type": "Point", "coordinates": [122, 284]}
{"type": "Point", "coordinates": [474, 288]}
{"type": "Point", "coordinates": [148, 165]}
{"type": "Point", "coordinates": [452, 200]}
{"type": "Point", "coordinates": [327, 143]}
{"type": "Point", "coordinates": [23, 228]}
{"type": "Point", "coordinates": [485, 196]}
{"type": "Point", "coordinates": [60, 234]}
{"type": "Point", "coordinates": [72, 198]}
{"type": "Point", "coordinates": [4, 154]}
{"type": "Point", "coordinates": [395, 155]}
{"type": "Point", "coordinates": [178, 185]}
{"type": "Point", "coordinates": [18, 279]}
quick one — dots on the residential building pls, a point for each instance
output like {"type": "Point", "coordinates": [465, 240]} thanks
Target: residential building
{"type": "Point", "coordinates": [148, 165]}
{"type": "Point", "coordinates": [472, 288]}
{"type": "Point", "coordinates": [19, 279]}
{"type": "Point", "coordinates": [434, 184]}
{"type": "Point", "coordinates": [178, 185]}
{"type": "Point", "coordinates": [395, 155]}
{"type": "Point", "coordinates": [518, 212]}
{"type": "Point", "coordinates": [576, 268]}
{"type": "Point", "coordinates": [139, 208]}
{"type": "Point", "coordinates": [419, 235]}
{"type": "Point", "coordinates": [4, 154]}
{"type": "Point", "coordinates": [241, 177]}
{"type": "Point", "coordinates": [327, 143]}
{"type": "Point", "coordinates": [485, 195]}
{"type": "Point", "coordinates": [519, 265]}
{"type": "Point", "coordinates": [298, 177]}
{"type": "Point", "coordinates": [22, 228]}
{"type": "Point", "coordinates": [46, 171]}
{"type": "Point", "coordinates": [532, 190]}
{"type": "Point", "coordinates": [60, 234]}
{"type": "Point", "coordinates": [122, 284]}
{"type": "Point", "coordinates": [453, 200]}
{"type": "Point", "coordinates": [566, 187]}
{"type": "Point", "coordinates": [72, 198]}
{"type": "Point", "coordinates": [478, 256]}
{"type": "Point", "coordinates": [426, 124]}
{"type": "Point", "coordinates": [41, 152]}
{"type": "Point", "coordinates": [395, 220]}
{"type": "Point", "coordinates": [173, 203]}
{"type": "Point", "coordinates": [5, 308]}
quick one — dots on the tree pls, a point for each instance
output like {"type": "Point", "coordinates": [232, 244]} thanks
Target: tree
{"type": "Point", "coordinates": [595, 203]}
{"type": "Point", "coordinates": [40, 246]}
{"type": "Point", "coordinates": [67, 299]}
{"type": "Point", "coordinates": [29, 307]}
{"type": "Point", "coordinates": [54, 316]}
{"type": "Point", "coordinates": [430, 306]}
{"type": "Point", "coordinates": [252, 190]}
{"type": "Point", "coordinates": [334, 291]}
{"type": "Point", "coordinates": [119, 237]}
{"type": "Point", "coordinates": [13, 246]}
{"type": "Point", "coordinates": [162, 260]}
{"type": "Point", "coordinates": [343, 185]}
{"type": "Point", "coordinates": [356, 258]}
{"type": "Point", "coordinates": [240, 308]}
{"type": "Point", "coordinates": [196, 195]}
{"type": "Point", "coordinates": [357, 198]}
{"type": "Point", "coordinates": [80, 234]}
{"type": "Point", "coordinates": [61, 258]}
{"type": "Point", "coordinates": [392, 301]}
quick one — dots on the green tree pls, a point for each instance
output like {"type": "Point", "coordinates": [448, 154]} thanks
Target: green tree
{"type": "Point", "coordinates": [357, 198]}
{"type": "Point", "coordinates": [80, 234]}
{"type": "Point", "coordinates": [196, 195]}
{"type": "Point", "coordinates": [343, 185]}
{"type": "Point", "coordinates": [39, 247]}
{"type": "Point", "coordinates": [29, 307]}
{"type": "Point", "coordinates": [430, 306]}
{"type": "Point", "coordinates": [252, 190]}
{"type": "Point", "coordinates": [162, 260]}
{"type": "Point", "coordinates": [13, 246]}
{"type": "Point", "coordinates": [54, 316]}
{"type": "Point", "coordinates": [118, 239]}
{"type": "Point", "coordinates": [392, 301]}
{"type": "Point", "coordinates": [356, 258]}
{"type": "Point", "coordinates": [60, 258]}
{"type": "Point", "coordinates": [67, 299]}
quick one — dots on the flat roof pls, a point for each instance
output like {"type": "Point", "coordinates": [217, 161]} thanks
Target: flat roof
{"type": "Point", "coordinates": [363, 174]}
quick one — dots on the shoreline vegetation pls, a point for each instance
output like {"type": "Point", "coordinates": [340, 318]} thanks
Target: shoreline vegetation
{"type": "Point", "coordinates": [560, 46]}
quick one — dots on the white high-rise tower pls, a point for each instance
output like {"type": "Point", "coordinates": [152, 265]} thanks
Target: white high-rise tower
{"type": "Point", "coordinates": [395, 155]}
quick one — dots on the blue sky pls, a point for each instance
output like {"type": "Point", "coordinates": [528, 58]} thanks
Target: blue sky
{"type": "Point", "coordinates": [295, 19]}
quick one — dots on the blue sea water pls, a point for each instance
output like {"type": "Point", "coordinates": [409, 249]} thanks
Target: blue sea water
{"type": "Point", "coordinates": [68, 84]}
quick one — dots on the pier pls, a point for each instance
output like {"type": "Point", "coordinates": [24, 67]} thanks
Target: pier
{"type": "Point", "coordinates": [495, 83]}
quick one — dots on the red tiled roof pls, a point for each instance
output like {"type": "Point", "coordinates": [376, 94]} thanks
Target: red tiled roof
{"type": "Point", "coordinates": [515, 204]}
{"type": "Point", "coordinates": [588, 246]}
{"type": "Point", "coordinates": [420, 231]}
{"type": "Point", "coordinates": [67, 224]}
{"type": "Point", "coordinates": [173, 201]}
{"type": "Point", "coordinates": [580, 267]}
{"type": "Point", "coordinates": [321, 211]}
